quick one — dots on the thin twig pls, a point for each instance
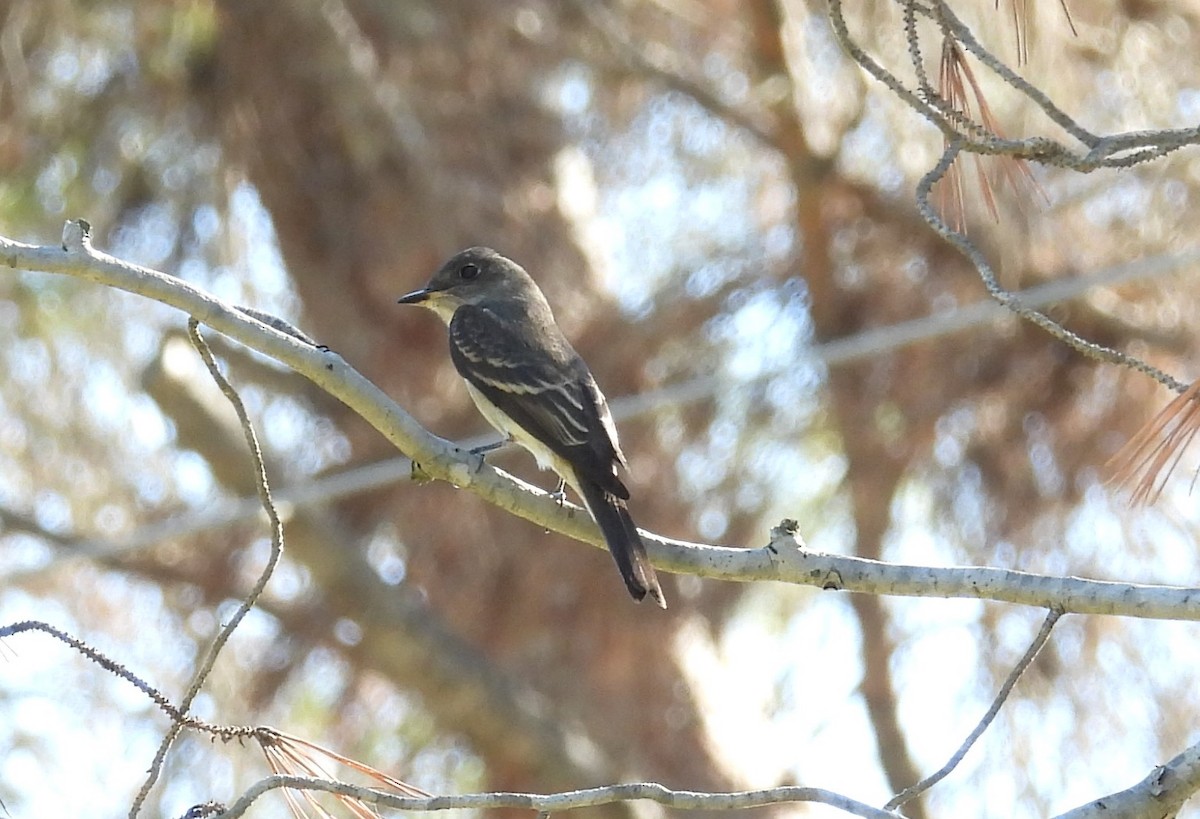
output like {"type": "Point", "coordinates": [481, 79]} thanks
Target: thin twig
{"type": "Point", "coordinates": [1001, 697]}
{"type": "Point", "coordinates": [912, 37]}
{"type": "Point", "coordinates": [925, 108]}
{"type": "Point", "coordinates": [223, 732]}
{"type": "Point", "coordinates": [1114, 151]}
{"type": "Point", "coordinates": [1102, 153]}
{"type": "Point", "coordinates": [954, 27]}
{"type": "Point", "coordinates": [264, 494]}
{"type": "Point", "coordinates": [1007, 298]}
{"type": "Point", "coordinates": [107, 663]}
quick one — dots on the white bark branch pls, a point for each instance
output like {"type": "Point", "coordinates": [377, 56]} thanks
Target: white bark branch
{"type": "Point", "coordinates": [368, 477]}
{"type": "Point", "coordinates": [783, 559]}
{"type": "Point", "coordinates": [570, 800]}
{"type": "Point", "coordinates": [1161, 794]}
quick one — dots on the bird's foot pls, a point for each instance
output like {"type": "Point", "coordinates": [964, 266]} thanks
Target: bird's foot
{"type": "Point", "coordinates": [559, 495]}
{"type": "Point", "coordinates": [480, 451]}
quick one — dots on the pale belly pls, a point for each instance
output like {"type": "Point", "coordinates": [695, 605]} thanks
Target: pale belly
{"type": "Point", "coordinates": [546, 459]}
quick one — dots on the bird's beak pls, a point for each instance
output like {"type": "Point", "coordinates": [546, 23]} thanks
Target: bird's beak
{"type": "Point", "coordinates": [416, 296]}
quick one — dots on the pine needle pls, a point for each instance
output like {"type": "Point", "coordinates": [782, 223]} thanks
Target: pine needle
{"type": "Point", "coordinates": [961, 91]}
{"type": "Point", "coordinates": [1020, 21]}
{"type": "Point", "coordinates": [287, 754]}
{"type": "Point", "coordinates": [1067, 14]}
{"type": "Point", "coordinates": [1145, 463]}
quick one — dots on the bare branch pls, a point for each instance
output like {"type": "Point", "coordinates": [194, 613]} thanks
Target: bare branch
{"type": "Point", "coordinates": [895, 85]}
{"type": "Point", "coordinates": [1001, 697]}
{"type": "Point", "coordinates": [569, 800]}
{"type": "Point", "coordinates": [783, 559]}
{"type": "Point", "coordinates": [867, 344]}
{"type": "Point", "coordinates": [916, 57]}
{"type": "Point", "coordinates": [1006, 298]}
{"type": "Point", "coordinates": [953, 27]}
{"type": "Point", "coordinates": [1162, 793]}
{"type": "Point", "coordinates": [115, 668]}
{"type": "Point", "coordinates": [108, 664]}
{"type": "Point", "coordinates": [264, 494]}
{"type": "Point", "coordinates": [1114, 151]}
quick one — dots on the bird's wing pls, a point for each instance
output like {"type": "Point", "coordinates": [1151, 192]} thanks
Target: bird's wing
{"type": "Point", "coordinates": [549, 392]}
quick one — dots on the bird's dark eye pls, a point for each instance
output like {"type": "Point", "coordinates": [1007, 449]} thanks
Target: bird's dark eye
{"type": "Point", "coordinates": [468, 271]}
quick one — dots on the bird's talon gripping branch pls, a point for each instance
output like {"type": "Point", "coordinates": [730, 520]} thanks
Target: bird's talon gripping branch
{"type": "Point", "coordinates": [559, 495]}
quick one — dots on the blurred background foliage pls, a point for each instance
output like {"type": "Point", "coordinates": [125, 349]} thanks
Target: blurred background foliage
{"type": "Point", "coordinates": [707, 192]}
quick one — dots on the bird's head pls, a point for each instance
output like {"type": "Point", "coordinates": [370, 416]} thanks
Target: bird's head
{"type": "Point", "coordinates": [478, 276]}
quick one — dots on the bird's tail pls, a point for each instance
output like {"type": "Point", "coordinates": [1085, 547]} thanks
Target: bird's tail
{"type": "Point", "coordinates": [624, 542]}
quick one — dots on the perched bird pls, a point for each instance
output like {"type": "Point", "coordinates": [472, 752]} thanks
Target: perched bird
{"type": "Point", "coordinates": [531, 385]}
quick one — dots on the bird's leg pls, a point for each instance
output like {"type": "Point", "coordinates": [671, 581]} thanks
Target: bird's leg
{"type": "Point", "coordinates": [560, 492]}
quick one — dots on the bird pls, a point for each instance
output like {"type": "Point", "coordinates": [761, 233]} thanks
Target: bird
{"type": "Point", "coordinates": [529, 383]}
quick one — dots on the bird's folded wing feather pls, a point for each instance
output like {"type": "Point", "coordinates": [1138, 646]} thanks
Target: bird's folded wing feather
{"type": "Point", "coordinates": [550, 394]}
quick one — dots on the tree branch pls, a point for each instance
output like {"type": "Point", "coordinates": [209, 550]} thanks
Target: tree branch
{"type": "Point", "coordinates": [783, 559]}
{"type": "Point", "coordinates": [570, 800]}
{"type": "Point", "coordinates": [870, 343]}
{"type": "Point", "coordinates": [247, 603]}
{"type": "Point", "coordinates": [1001, 697]}
{"type": "Point", "coordinates": [1162, 793]}
{"type": "Point", "coordinates": [1008, 299]}
{"type": "Point", "coordinates": [1103, 151]}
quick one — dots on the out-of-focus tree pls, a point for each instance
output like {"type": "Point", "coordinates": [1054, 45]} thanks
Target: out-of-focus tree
{"type": "Point", "coordinates": [706, 192]}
